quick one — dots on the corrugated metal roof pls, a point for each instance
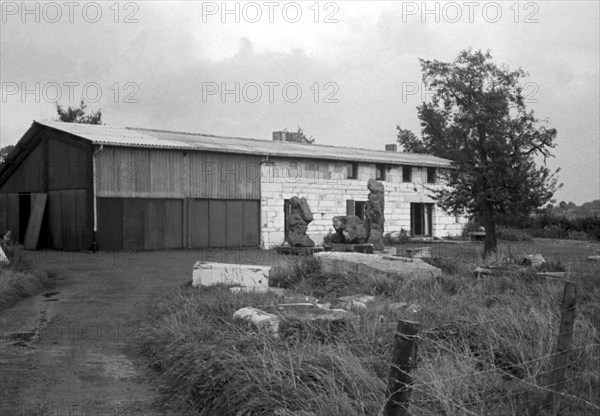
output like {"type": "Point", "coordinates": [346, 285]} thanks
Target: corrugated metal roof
{"type": "Point", "coordinates": [139, 137]}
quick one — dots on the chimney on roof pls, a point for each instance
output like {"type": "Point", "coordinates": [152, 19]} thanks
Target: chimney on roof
{"type": "Point", "coordinates": [280, 136]}
{"type": "Point", "coordinates": [284, 136]}
{"type": "Point", "coordinates": [391, 147]}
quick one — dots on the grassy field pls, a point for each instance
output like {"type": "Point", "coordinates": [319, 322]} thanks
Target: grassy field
{"type": "Point", "coordinates": [486, 345]}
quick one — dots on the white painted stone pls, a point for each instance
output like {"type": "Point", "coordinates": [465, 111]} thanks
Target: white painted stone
{"type": "Point", "coordinates": [3, 258]}
{"type": "Point", "coordinates": [208, 274]}
{"type": "Point", "coordinates": [259, 318]}
{"type": "Point", "coordinates": [535, 260]}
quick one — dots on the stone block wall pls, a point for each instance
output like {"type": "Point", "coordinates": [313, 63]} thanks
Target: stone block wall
{"type": "Point", "coordinates": [326, 187]}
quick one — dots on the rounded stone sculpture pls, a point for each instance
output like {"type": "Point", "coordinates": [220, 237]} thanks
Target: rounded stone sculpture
{"type": "Point", "coordinates": [374, 209]}
{"type": "Point", "coordinates": [297, 223]}
{"type": "Point", "coordinates": [349, 229]}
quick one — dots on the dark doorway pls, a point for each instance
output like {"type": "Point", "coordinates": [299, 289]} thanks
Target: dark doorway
{"type": "Point", "coordinates": [421, 219]}
{"type": "Point", "coordinates": [24, 213]}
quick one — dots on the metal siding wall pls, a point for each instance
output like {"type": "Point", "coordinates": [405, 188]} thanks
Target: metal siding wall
{"type": "Point", "coordinates": [235, 223]}
{"type": "Point", "coordinates": [69, 220]}
{"type": "Point", "coordinates": [217, 227]}
{"type": "Point", "coordinates": [110, 223]}
{"type": "Point", "coordinates": [67, 165]}
{"type": "Point", "coordinates": [154, 224]}
{"type": "Point", "coordinates": [198, 223]}
{"type": "Point", "coordinates": [133, 224]}
{"type": "Point", "coordinates": [156, 173]}
{"type": "Point", "coordinates": [140, 224]}
{"type": "Point", "coordinates": [84, 237]}
{"type": "Point", "coordinates": [142, 173]}
{"type": "Point", "coordinates": [223, 223]}
{"type": "Point", "coordinates": [223, 176]}
{"type": "Point", "coordinates": [174, 224]}
{"type": "Point", "coordinates": [251, 223]}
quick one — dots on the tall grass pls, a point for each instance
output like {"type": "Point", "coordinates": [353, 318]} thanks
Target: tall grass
{"type": "Point", "coordinates": [18, 279]}
{"type": "Point", "coordinates": [486, 346]}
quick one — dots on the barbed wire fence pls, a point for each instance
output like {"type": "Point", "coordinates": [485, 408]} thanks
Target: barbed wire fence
{"type": "Point", "coordinates": [541, 382]}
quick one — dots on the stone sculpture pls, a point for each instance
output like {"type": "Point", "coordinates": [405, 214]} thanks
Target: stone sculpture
{"type": "Point", "coordinates": [349, 229]}
{"type": "Point", "coordinates": [297, 223]}
{"type": "Point", "coordinates": [374, 209]}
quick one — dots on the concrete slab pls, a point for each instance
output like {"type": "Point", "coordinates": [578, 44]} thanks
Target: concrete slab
{"type": "Point", "coordinates": [374, 265]}
{"type": "Point", "coordinates": [209, 274]}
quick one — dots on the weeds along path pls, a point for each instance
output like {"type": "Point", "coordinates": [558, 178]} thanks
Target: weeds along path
{"type": "Point", "coordinates": [72, 349]}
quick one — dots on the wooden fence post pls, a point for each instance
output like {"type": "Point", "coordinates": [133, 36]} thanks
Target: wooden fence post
{"type": "Point", "coordinates": [404, 360]}
{"type": "Point", "coordinates": [563, 345]}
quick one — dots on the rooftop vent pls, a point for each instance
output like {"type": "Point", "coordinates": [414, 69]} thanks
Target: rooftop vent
{"type": "Point", "coordinates": [391, 147]}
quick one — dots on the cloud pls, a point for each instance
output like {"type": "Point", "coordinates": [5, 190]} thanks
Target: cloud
{"type": "Point", "coordinates": [363, 63]}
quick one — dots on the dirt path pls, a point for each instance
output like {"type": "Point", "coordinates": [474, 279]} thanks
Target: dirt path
{"type": "Point", "coordinates": [72, 349]}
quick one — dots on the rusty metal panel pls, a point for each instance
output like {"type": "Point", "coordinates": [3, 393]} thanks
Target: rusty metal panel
{"type": "Point", "coordinates": [174, 223]}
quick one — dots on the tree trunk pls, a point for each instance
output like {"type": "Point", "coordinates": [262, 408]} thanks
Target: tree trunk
{"type": "Point", "coordinates": [489, 243]}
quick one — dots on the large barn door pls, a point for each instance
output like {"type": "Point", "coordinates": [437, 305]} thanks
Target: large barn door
{"type": "Point", "coordinates": [224, 223]}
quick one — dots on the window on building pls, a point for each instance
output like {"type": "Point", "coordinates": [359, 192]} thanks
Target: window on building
{"type": "Point", "coordinates": [380, 172]}
{"type": "Point", "coordinates": [359, 209]}
{"type": "Point", "coordinates": [355, 208]}
{"type": "Point", "coordinates": [352, 172]}
{"type": "Point", "coordinates": [431, 175]}
{"type": "Point", "coordinates": [406, 174]}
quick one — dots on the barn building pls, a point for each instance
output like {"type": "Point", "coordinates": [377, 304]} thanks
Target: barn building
{"type": "Point", "coordinates": [75, 186]}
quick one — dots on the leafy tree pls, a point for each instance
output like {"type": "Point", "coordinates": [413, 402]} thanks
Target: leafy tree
{"type": "Point", "coordinates": [477, 118]}
{"type": "Point", "coordinates": [562, 205]}
{"type": "Point", "coordinates": [4, 152]}
{"type": "Point", "coordinates": [299, 137]}
{"type": "Point", "coordinates": [77, 114]}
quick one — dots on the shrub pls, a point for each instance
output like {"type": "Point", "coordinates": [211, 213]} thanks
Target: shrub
{"type": "Point", "coordinates": [328, 238]}
{"type": "Point", "coordinates": [512, 234]}
{"type": "Point", "coordinates": [396, 238]}
{"type": "Point", "coordinates": [471, 226]}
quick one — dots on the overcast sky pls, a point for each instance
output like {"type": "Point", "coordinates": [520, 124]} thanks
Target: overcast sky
{"type": "Point", "coordinates": [346, 72]}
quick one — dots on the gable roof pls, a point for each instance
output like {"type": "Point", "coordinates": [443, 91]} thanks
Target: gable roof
{"type": "Point", "coordinates": [147, 138]}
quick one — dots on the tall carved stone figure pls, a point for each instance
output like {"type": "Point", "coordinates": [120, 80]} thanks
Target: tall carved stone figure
{"type": "Point", "coordinates": [297, 223]}
{"type": "Point", "coordinates": [374, 209]}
